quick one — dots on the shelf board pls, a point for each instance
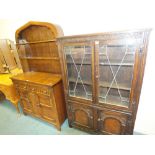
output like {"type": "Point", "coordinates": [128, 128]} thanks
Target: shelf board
{"type": "Point", "coordinates": [103, 64]}
{"type": "Point", "coordinates": [36, 42]}
{"type": "Point", "coordinates": [121, 86]}
{"type": "Point", "coordinates": [40, 58]}
{"type": "Point", "coordinates": [114, 100]}
{"type": "Point", "coordinates": [84, 81]}
{"type": "Point", "coordinates": [78, 63]}
{"type": "Point", "coordinates": [102, 84]}
{"type": "Point", "coordinates": [128, 53]}
{"type": "Point", "coordinates": [88, 97]}
{"type": "Point", "coordinates": [119, 45]}
{"type": "Point", "coordinates": [68, 54]}
{"type": "Point", "coordinates": [116, 64]}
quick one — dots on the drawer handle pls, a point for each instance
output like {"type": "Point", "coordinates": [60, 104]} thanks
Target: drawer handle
{"type": "Point", "coordinates": [40, 104]}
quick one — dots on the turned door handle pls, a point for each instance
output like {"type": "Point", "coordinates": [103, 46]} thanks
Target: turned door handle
{"type": "Point", "coordinates": [99, 119]}
{"type": "Point", "coordinates": [91, 117]}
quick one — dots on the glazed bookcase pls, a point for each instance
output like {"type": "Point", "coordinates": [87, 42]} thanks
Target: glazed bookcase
{"type": "Point", "coordinates": [102, 76]}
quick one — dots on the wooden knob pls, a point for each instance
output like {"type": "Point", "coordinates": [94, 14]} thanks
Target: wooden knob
{"type": "Point", "coordinates": [98, 119]}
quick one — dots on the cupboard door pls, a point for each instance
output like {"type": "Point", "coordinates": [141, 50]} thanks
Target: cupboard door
{"type": "Point", "coordinates": [116, 67]}
{"type": "Point", "coordinates": [80, 116]}
{"type": "Point", "coordinates": [79, 70]}
{"type": "Point", "coordinates": [48, 110]}
{"type": "Point", "coordinates": [26, 105]}
{"type": "Point", "coordinates": [34, 100]}
{"type": "Point", "coordinates": [112, 122]}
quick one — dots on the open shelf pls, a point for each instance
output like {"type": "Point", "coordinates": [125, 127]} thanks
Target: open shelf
{"type": "Point", "coordinates": [36, 42]}
{"type": "Point", "coordinates": [39, 58]}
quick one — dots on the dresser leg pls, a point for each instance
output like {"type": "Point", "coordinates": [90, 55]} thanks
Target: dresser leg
{"type": "Point", "coordinates": [70, 125]}
{"type": "Point", "coordinates": [17, 108]}
{"type": "Point", "coordinates": [58, 128]}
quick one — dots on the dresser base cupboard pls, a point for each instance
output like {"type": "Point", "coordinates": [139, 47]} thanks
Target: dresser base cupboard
{"type": "Point", "coordinates": [41, 98]}
{"type": "Point", "coordinates": [102, 77]}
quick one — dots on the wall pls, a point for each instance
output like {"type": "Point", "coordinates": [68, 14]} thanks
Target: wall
{"type": "Point", "coordinates": [78, 17]}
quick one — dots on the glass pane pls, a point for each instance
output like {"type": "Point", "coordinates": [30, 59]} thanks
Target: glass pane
{"type": "Point", "coordinates": [116, 64]}
{"type": "Point", "coordinates": [78, 59]}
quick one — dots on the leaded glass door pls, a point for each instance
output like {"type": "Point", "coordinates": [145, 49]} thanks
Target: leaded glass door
{"type": "Point", "coordinates": [116, 66]}
{"type": "Point", "coordinates": [79, 70]}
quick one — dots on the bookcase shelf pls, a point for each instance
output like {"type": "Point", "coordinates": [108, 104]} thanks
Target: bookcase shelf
{"type": "Point", "coordinates": [102, 84]}
{"type": "Point", "coordinates": [103, 64]}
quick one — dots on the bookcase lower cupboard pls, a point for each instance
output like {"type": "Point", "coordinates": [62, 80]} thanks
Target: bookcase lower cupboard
{"type": "Point", "coordinates": [102, 77]}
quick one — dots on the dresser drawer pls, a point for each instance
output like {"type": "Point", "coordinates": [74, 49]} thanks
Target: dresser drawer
{"type": "Point", "coordinates": [39, 89]}
{"type": "Point", "coordinates": [21, 85]}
